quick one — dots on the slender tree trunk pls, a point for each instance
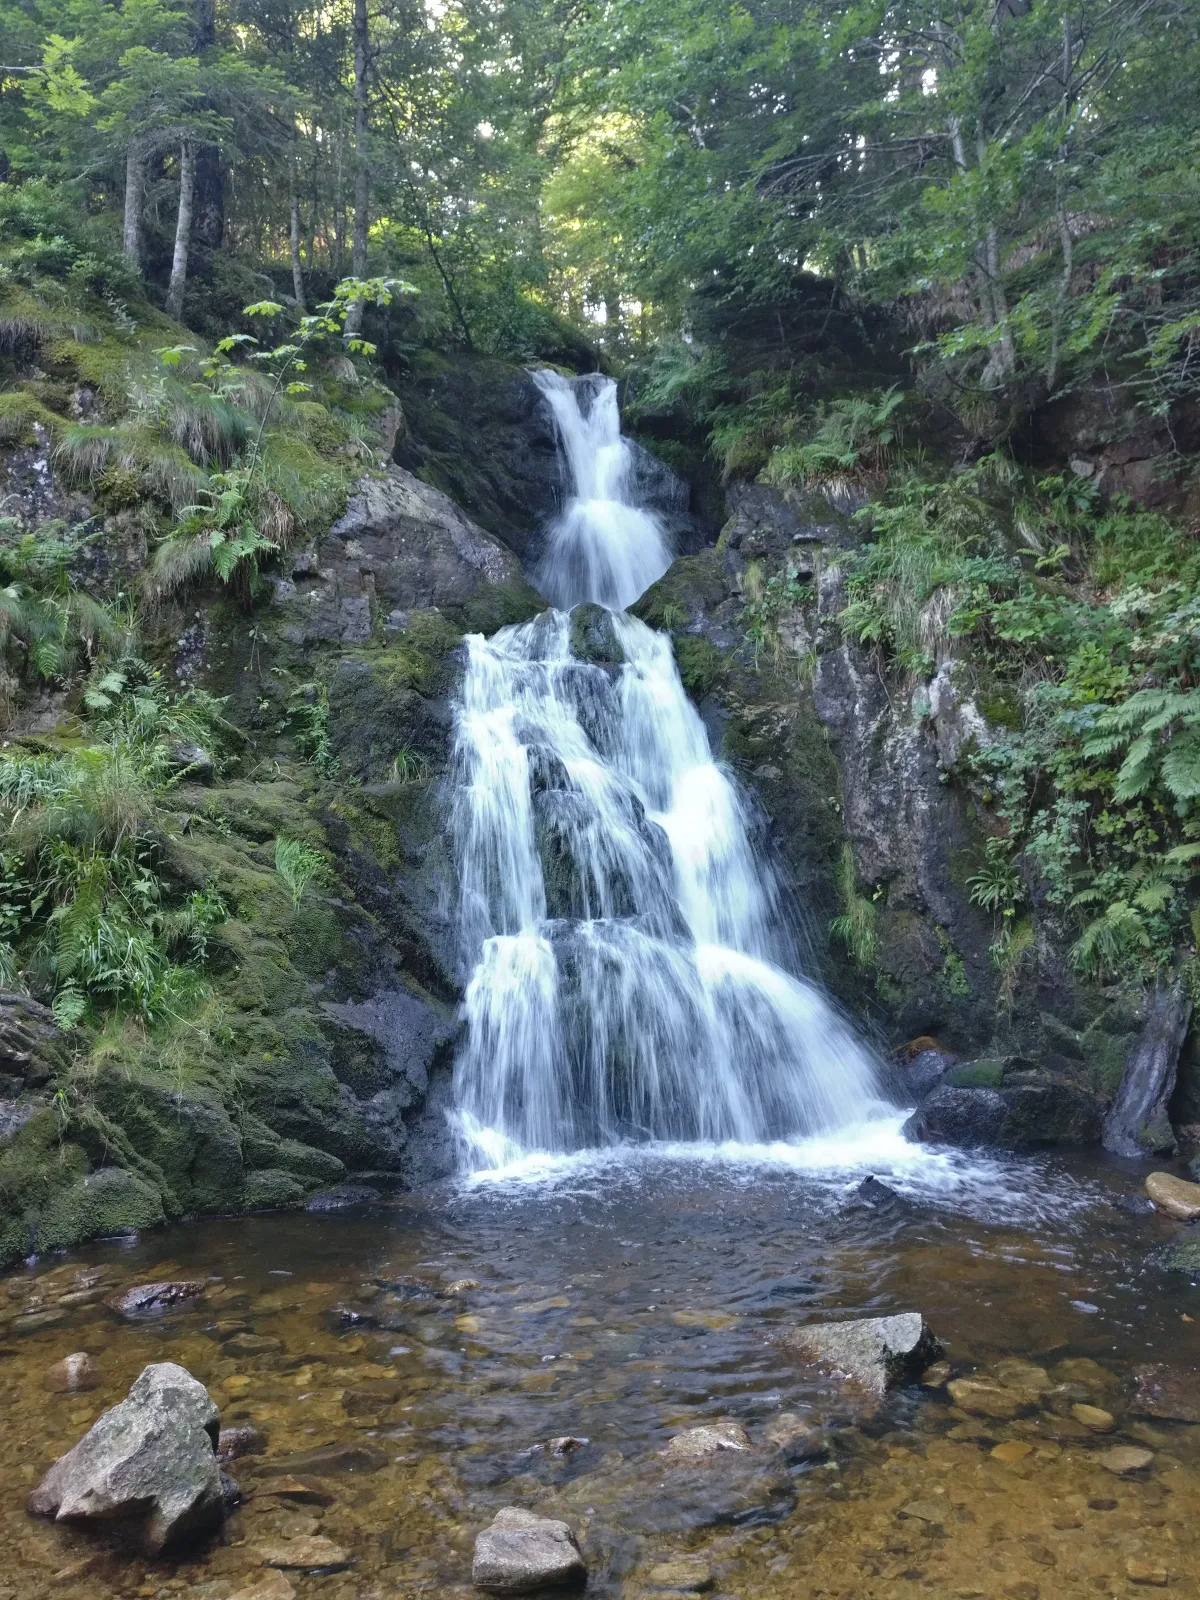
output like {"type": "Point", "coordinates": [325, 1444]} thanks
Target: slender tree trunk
{"type": "Point", "coordinates": [135, 187]}
{"type": "Point", "coordinates": [339, 210]}
{"type": "Point", "coordinates": [361, 172]}
{"type": "Point", "coordinates": [294, 233]}
{"type": "Point", "coordinates": [208, 204]}
{"type": "Point", "coordinates": [183, 229]}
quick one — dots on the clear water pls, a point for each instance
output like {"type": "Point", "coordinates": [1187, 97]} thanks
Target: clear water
{"type": "Point", "coordinates": [631, 974]}
{"type": "Point", "coordinates": [620, 1298]}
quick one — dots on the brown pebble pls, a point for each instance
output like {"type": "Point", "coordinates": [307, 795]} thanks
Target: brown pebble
{"type": "Point", "coordinates": [300, 1491]}
{"type": "Point", "coordinates": [1143, 1572]}
{"type": "Point", "coordinates": [1012, 1451]}
{"type": "Point", "coordinates": [72, 1374]}
{"type": "Point", "coordinates": [1124, 1458]}
{"type": "Point", "coordinates": [1093, 1417]}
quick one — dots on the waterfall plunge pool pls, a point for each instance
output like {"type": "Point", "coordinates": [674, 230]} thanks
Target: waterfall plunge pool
{"type": "Point", "coordinates": [620, 1300]}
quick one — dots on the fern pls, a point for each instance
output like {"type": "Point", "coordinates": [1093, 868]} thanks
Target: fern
{"type": "Point", "coordinates": [1160, 732]}
{"type": "Point", "coordinates": [855, 927]}
{"type": "Point", "coordinates": [297, 864]}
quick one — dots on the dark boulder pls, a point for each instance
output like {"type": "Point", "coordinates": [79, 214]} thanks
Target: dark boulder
{"type": "Point", "coordinates": [921, 1066]}
{"type": "Point", "coordinates": [1016, 1116]}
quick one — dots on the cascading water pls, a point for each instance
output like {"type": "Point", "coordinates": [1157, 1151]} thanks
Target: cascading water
{"type": "Point", "coordinates": [629, 975]}
{"type": "Point", "coordinates": [603, 547]}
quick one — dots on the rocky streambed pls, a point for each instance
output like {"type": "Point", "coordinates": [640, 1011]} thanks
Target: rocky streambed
{"type": "Point", "coordinates": [638, 1370]}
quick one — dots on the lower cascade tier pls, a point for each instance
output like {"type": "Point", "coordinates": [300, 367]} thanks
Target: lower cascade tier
{"type": "Point", "coordinates": [629, 972]}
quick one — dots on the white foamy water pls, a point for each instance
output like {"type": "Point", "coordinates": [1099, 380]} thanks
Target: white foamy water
{"type": "Point", "coordinates": [630, 972]}
{"type": "Point", "coordinates": [604, 547]}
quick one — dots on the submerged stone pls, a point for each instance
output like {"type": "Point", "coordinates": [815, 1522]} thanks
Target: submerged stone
{"type": "Point", "coordinates": [521, 1552]}
{"type": "Point", "coordinates": [875, 1353]}
{"type": "Point", "coordinates": [72, 1374]}
{"type": "Point", "coordinates": [701, 1444]}
{"type": "Point", "coordinates": [153, 1299]}
{"type": "Point", "coordinates": [309, 1553]}
{"type": "Point", "coordinates": [682, 1574]}
{"type": "Point", "coordinates": [1124, 1459]}
{"type": "Point", "coordinates": [1167, 1394]}
{"type": "Point", "coordinates": [986, 1398]}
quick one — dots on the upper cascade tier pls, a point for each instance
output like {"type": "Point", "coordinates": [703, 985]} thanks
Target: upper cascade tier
{"type": "Point", "coordinates": [604, 547]}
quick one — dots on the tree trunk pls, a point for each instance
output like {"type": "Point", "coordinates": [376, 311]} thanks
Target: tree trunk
{"type": "Point", "coordinates": [339, 211]}
{"type": "Point", "coordinates": [208, 203]}
{"type": "Point", "coordinates": [361, 173]}
{"type": "Point", "coordinates": [135, 185]}
{"type": "Point", "coordinates": [294, 235]}
{"type": "Point", "coordinates": [183, 229]}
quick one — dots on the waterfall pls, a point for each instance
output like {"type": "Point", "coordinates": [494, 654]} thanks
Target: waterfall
{"type": "Point", "coordinates": [628, 962]}
{"type": "Point", "coordinates": [603, 547]}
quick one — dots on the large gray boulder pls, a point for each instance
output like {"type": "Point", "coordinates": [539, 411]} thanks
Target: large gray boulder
{"type": "Point", "coordinates": [522, 1552]}
{"type": "Point", "coordinates": [874, 1354]}
{"type": "Point", "coordinates": [147, 1467]}
{"type": "Point", "coordinates": [401, 546]}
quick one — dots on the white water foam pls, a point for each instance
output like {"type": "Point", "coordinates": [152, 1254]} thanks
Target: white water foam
{"type": "Point", "coordinates": [1007, 1190]}
{"type": "Point", "coordinates": [604, 547]}
{"type": "Point", "coordinates": [630, 976]}
{"type": "Point", "coordinates": [632, 996]}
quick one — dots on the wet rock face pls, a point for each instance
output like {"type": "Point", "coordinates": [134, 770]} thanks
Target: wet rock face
{"type": "Point", "coordinates": [875, 1353]}
{"type": "Point", "coordinates": [522, 1552]}
{"type": "Point", "coordinates": [1137, 1123]}
{"type": "Point", "coordinates": [148, 1467]}
{"type": "Point", "coordinates": [402, 546]}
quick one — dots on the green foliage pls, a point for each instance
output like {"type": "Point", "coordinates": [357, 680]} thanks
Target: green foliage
{"type": "Point", "coordinates": [298, 864]}
{"type": "Point", "coordinates": [409, 766]}
{"type": "Point", "coordinates": [851, 441]}
{"type": "Point", "coordinates": [855, 927]}
{"type": "Point", "coordinates": [1094, 773]}
{"type": "Point", "coordinates": [91, 914]}
{"type": "Point", "coordinates": [770, 601]}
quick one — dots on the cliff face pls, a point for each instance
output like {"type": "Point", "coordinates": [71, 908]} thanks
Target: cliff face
{"type": "Point", "coordinates": [860, 777]}
{"type": "Point", "coordinates": [328, 1015]}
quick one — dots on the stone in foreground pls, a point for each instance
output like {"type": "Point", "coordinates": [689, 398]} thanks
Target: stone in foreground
{"type": "Point", "coordinates": [875, 1353]}
{"type": "Point", "coordinates": [148, 1467]}
{"type": "Point", "coordinates": [1175, 1196]}
{"type": "Point", "coordinates": [522, 1552]}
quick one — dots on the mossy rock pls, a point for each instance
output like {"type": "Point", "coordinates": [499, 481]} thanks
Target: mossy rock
{"type": "Point", "coordinates": [1181, 1255]}
{"type": "Point", "coordinates": [594, 637]}
{"type": "Point", "coordinates": [104, 1204]}
{"type": "Point", "coordinates": [702, 667]}
{"type": "Point", "coordinates": [272, 1189]}
{"type": "Point", "coordinates": [186, 1132]}
{"type": "Point", "coordinates": [977, 1075]}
